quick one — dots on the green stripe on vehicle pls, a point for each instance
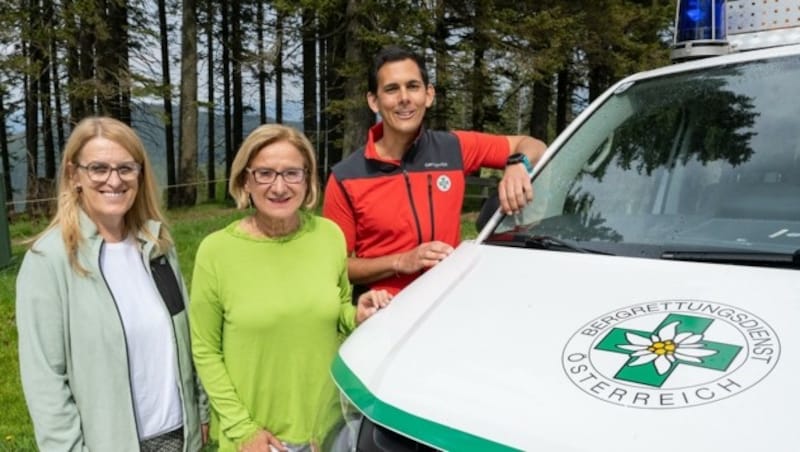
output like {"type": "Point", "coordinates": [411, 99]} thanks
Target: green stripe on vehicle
{"type": "Point", "coordinates": [428, 432]}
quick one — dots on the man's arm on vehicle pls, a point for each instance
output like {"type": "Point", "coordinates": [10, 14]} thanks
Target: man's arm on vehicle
{"type": "Point", "coordinates": [426, 255]}
{"type": "Point", "coordinates": [515, 188]}
{"type": "Point", "coordinates": [533, 148]}
{"type": "Point", "coordinates": [364, 270]}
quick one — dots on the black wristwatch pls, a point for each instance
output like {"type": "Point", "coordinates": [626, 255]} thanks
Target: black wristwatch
{"type": "Point", "coordinates": [519, 157]}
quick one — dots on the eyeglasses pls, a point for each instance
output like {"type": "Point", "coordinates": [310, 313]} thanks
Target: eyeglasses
{"type": "Point", "coordinates": [101, 172]}
{"type": "Point", "coordinates": [268, 175]}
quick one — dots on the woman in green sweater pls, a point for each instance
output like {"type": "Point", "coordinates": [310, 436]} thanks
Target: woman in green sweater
{"type": "Point", "coordinates": [271, 299]}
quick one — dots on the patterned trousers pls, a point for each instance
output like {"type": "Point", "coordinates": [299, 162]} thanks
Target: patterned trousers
{"type": "Point", "coordinates": [168, 442]}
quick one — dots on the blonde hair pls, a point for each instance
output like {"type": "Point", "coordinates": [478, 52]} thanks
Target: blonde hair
{"type": "Point", "coordinates": [260, 138]}
{"type": "Point", "coordinates": [145, 205]}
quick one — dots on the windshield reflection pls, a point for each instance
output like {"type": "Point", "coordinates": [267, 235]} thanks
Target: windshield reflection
{"type": "Point", "coordinates": [699, 160]}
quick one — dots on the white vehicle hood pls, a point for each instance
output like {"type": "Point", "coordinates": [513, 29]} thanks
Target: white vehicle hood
{"type": "Point", "coordinates": [515, 349]}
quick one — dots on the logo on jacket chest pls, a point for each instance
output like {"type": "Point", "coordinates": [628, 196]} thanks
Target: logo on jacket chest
{"type": "Point", "coordinates": [443, 183]}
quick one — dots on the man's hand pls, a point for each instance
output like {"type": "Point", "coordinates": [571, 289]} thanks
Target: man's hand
{"type": "Point", "coordinates": [370, 302]}
{"type": "Point", "coordinates": [424, 256]}
{"type": "Point", "coordinates": [515, 189]}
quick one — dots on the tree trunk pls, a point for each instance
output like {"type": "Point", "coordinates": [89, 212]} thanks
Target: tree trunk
{"type": "Point", "coordinates": [226, 89]}
{"type": "Point", "coordinates": [563, 99]}
{"type": "Point", "coordinates": [106, 62]}
{"type": "Point", "coordinates": [335, 120]}
{"type": "Point", "coordinates": [540, 110]}
{"type": "Point", "coordinates": [261, 64]}
{"type": "Point", "coordinates": [166, 86]}
{"type": "Point", "coordinates": [279, 66]}
{"type": "Point", "coordinates": [31, 87]}
{"type": "Point", "coordinates": [113, 69]}
{"type": "Point", "coordinates": [4, 151]}
{"type": "Point", "coordinates": [310, 77]}
{"type": "Point", "coordinates": [237, 54]}
{"type": "Point", "coordinates": [212, 111]}
{"type": "Point", "coordinates": [188, 134]}
{"type": "Point", "coordinates": [357, 116]}
{"type": "Point", "coordinates": [48, 59]}
{"type": "Point", "coordinates": [599, 80]}
{"type": "Point", "coordinates": [59, 110]}
{"type": "Point", "coordinates": [479, 83]}
{"type": "Point", "coordinates": [439, 112]}
{"type": "Point", "coordinates": [122, 102]}
{"type": "Point", "coordinates": [323, 147]}
{"type": "Point", "coordinates": [74, 83]}
{"type": "Point", "coordinates": [87, 92]}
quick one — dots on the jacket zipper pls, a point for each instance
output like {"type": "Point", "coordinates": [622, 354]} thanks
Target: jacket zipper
{"type": "Point", "coordinates": [149, 269]}
{"type": "Point", "coordinates": [413, 206]}
{"type": "Point", "coordinates": [430, 206]}
{"type": "Point", "coordinates": [124, 337]}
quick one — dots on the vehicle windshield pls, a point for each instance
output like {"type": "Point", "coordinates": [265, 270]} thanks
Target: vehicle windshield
{"type": "Point", "coordinates": [704, 160]}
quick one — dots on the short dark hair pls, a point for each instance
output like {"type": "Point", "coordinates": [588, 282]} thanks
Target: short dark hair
{"type": "Point", "coordinates": [389, 55]}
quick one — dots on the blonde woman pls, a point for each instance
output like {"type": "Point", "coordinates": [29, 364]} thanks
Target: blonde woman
{"type": "Point", "coordinates": [271, 299]}
{"type": "Point", "coordinates": [103, 330]}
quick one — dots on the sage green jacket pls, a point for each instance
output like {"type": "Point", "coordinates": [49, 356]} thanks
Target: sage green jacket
{"type": "Point", "coordinates": [73, 354]}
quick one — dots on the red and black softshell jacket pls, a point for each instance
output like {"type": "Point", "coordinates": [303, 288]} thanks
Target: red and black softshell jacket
{"type": "Point", "coordinates": [389, 206]}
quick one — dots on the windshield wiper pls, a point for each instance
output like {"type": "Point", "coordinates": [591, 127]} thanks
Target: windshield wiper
{"type": "Point", "coordinates": [758, 258]}
{"type": "Point", "coordinates": [548, 242]}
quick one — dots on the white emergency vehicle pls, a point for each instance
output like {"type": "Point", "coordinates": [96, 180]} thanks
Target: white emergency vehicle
{"type": "Point", "coordinates": [648, 299]}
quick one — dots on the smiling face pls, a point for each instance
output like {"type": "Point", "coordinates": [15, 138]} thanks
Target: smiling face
{"type": "Point", "coordinates": [401, 97]}
{"type": "Point", "coordinates": [105, 202]}
{"type": "Point", "coordinates": [278, 200]}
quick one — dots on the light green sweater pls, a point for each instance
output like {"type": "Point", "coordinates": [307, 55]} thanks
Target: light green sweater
{"type": "Point", "coordinates": [267, 317]}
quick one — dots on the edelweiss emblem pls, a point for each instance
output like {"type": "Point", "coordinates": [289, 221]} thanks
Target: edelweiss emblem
{"type": "Point", "coordinates": [443, 183]}
{"type": "Point", "coordinates": [670, 354]}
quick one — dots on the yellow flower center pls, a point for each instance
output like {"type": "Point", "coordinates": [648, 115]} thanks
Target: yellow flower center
{"type": "Point", "coordinates": [661, 348]}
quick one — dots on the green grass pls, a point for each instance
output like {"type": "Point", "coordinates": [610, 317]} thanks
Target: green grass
{"type": "Point", "coordinates": [189, 226]}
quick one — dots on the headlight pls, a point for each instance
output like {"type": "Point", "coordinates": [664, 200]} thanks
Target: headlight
{"type": "Point", "coordinates": [355, 433]}
{"type": "Point", "coordinates": [375, 438]}
{"type": "Point", "coordinates": [342, 435]}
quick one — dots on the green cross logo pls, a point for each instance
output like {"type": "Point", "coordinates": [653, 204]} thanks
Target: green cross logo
{"type": "Point", "coordinates": [678, 340]}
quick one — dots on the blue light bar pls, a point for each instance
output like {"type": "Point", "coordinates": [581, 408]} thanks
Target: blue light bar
{"type": "Point", "coordinates": [701, 20]}
{"type": "Point", "coordinates": [700, 29]}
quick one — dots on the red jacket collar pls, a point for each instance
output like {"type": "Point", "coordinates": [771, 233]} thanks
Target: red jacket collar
{"type": "Point", "coordinates": [375, 134]}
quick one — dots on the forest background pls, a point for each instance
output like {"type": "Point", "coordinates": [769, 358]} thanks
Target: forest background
{"type": "Point", "coordinates": [195, 76]}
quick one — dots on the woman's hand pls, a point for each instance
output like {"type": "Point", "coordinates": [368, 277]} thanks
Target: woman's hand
{"type": "Point", "coordinates": [369, 303]}
{"type": "Point", "coordinates": [262, 441]}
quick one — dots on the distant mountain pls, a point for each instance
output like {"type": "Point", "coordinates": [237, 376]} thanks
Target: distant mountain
{"type": "Point", "coordinates": [149, 124]}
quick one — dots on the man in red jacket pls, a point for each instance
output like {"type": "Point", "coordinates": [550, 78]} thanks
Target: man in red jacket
{"type": "Point", "coordinates": [398, 199]}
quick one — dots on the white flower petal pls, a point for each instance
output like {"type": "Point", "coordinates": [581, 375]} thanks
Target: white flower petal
{"type": "Point", "coordinates": [633, 348]}
{"type": "Point", "coordinates": [692, 339]}
{"type": "Point", "coordinates": [680, 337]}
{"type": "Point", "coordinates": [670, 358]}
{"type": "Point", "coordinates": [642, 353]}
{"type": "Point", "coordinates": [644, 359]}
{"type": "Point", "coordinates": [655, 338]}
{"type": "Point", "coordinates": [662, 365]}
{"type": "Point", "coordinates": [688, 358]}
{"type": "Point", "coordinates": [635, 339]}
{"type": "Point", "coordinates": [695, 351]}
{"type": "Point", "coordinates": [668, 332]}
